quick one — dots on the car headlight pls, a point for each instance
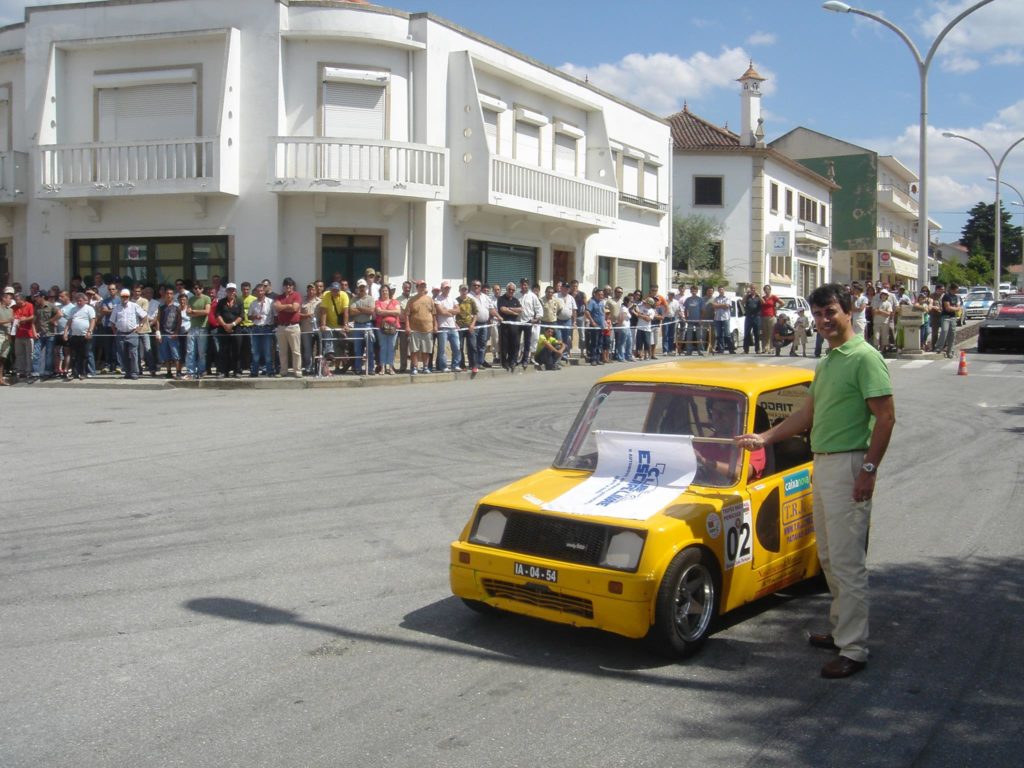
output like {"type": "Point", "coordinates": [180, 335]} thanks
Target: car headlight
{"type": "Point", "coordinates": [490, 527]}
{"type": "Point", "coordinates": [623, 552]}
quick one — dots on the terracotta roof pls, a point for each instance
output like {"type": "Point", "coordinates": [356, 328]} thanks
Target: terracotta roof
{"type": "Point", "coordinates": [692, 132]}
{"type": "Point", "coordinates": [751, 74]}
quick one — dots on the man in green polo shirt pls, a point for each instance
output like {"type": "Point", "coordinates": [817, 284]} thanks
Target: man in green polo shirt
{"type": "Point", "coordinates": [851, 415]}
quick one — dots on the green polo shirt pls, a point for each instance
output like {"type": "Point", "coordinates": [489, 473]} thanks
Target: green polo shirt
{"type": "Point", "coordinates": [844, 380]}
{"type": "Point", "coordinates": [201, 303]}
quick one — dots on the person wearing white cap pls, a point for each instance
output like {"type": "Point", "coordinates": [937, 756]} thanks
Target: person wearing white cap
{"type": "Point", "coordinates": [881, 316]}
{"type": "Point", "coordinates": [447, 329]}
{"type": "Point", "coordinates": [6, 320]}
{"type": "Point", "coordinates": [126, 319]}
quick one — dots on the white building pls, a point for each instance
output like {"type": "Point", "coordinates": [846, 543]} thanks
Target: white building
{"type": "Point", "coordinates": [159, 139]}
{"type": "Point", "coordinates": [774, 212]}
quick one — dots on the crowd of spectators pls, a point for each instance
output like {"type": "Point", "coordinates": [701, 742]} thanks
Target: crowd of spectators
{"type": "Point", "coordinates": [191, 330]}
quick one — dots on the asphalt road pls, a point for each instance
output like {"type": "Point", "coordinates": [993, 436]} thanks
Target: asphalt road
{"type": "Point", "coordinates": [210, 578]}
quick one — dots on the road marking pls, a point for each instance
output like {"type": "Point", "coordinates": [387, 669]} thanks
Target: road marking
{"type": "Point", "coordinates": [994, 367]}
{"type": "Point", "coordinates": [917, 363]}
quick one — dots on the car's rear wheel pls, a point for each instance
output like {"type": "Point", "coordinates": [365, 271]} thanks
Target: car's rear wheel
{"type": "Point", "coordinates": [735, 339]}
{"type": "Point", "coordinates": [687, 603]}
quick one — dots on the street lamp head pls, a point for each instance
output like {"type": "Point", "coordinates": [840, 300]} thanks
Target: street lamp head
{"type": "Point", "coordinates": [835, 5]}
{"type": "Point", "coordinates": [951, 135]}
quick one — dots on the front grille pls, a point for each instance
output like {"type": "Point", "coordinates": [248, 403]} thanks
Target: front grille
{"type": "Point", "coordinates": [541, 596]}
{"type": "Point", "coordinates": [555, 538]}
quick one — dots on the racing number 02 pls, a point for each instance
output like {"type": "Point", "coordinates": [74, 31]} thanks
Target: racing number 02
{"type": "Point", "coordinates": [737, 541]}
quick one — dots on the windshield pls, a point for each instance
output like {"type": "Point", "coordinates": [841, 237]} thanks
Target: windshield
{"type": "Point", "coordinates": [980, 296]}
{"type": "Point", "coordinates": [709, 414]}
{"type": "Point", "coordinates": [1007, 309]}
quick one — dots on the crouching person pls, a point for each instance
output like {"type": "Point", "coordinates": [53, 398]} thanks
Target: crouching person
{"type": "Point", "coordinates": [549, 350]}
{"type": "Point", "coordinates": [783, 334]}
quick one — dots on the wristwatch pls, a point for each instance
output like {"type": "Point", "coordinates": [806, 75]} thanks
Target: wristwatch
{"type": "Point", "coordinates": [869, 467]}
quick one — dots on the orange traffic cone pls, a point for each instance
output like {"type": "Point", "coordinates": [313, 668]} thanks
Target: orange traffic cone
{"type": "Point", "coordinates": [962, 368]}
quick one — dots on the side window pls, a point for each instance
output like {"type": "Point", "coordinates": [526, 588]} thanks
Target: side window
{"type": "Point", "coordinates": [773, 407]}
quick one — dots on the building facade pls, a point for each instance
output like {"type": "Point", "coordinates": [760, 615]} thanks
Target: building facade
{"type": "Point", "coordinates": [875, 209]}
{"type": "Point", "coordinates": [774, 213]}
{"type": "Point", "coordinates": [164, 139]}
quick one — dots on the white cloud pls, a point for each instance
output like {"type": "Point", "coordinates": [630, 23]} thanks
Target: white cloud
{"type": "Point", "coordinates": [958, 170]}
{"type": "Point", "coordinates": [1008, 58]}
{"type": "Point", "coordinates": [960, 64]}
{"type": "Point", "coordinates": [992, 28]}
{"type": "Point", "coordinates": [661, 82]}
{"type": "Point", "coordinates": [762, 38]}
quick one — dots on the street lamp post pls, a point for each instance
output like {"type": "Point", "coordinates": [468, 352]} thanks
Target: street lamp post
{"type": "Point", "coordinates": [998, 208]}
{"type": "Point", "coordinates": [1020, 203]}
{"type": "Point", "coordinates": [923, 239]}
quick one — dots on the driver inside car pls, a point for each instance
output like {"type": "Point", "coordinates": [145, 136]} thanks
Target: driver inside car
{"type": "Point", "coordinates": [717, 462]}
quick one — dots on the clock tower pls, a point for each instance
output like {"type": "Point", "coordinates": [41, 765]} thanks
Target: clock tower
{"type": "Point", "coordinates": [750, 106]}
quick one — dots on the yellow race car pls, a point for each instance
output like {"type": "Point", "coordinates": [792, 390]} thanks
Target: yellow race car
{"type": "Point", "coordinates": [651, 521]}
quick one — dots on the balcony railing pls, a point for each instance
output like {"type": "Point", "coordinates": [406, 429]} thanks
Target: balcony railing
{"type": "Point", "coordinates": [814, 229]}
{"type": "Point", "coordinates": [643, 202]}
{"type": "Point", "coordinates": [153, 167]}
{"type": "Point", "coordinates": [890, 241]}
{"type": "Point", "coordinates": [367, 167]}
{"type": "Point", "coordinates": [895, 196]}
{"type": "Point", "coordinates": [13, 176]}
{"type": "Point", "coordinates": [552, 194]}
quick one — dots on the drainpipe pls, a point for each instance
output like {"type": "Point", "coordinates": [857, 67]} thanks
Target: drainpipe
{"type": "Point", "coordinates": [411, 99]}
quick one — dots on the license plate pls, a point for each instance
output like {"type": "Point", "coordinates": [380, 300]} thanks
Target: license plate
{"type": "Point", "coordinates": [536, 572]}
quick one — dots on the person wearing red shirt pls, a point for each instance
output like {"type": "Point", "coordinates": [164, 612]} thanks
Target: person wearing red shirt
{"type": "Point", "coordinates": [287, 308]}
{"type": "Point", "coordinates": [24, 336]}
{"type": "Point", "coordinates": [770, 303]}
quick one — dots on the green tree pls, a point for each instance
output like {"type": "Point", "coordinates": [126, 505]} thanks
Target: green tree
{"type": "Point", "coordinates": [695, 240]}
{"type": "Point", "coordinates": [978, 235]}
{"type": "Point", "coordinates": [952, 272]}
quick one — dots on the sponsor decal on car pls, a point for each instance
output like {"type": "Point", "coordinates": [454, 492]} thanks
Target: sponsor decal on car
{"type": "Point", "coordinates": [797, 521]}
{"type": "Point", "coordinates": [714, 525]}
{"type": "Point", "coordinates": [796, 482]}
{"type": "Point", "coordinates": [736, 524]}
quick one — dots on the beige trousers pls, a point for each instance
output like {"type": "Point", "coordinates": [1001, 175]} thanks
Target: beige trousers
{"type": "Point", "coordinates": [289, 347]}
{"type": "Point", "coordinates": [841, 528]}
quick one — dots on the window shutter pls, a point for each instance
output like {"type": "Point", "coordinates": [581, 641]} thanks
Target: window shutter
{"type": "Point", "coordinates": [509, 264]}
{"type": "Point", "coordinates": [5, 117]}
{"type": "Point", "coordinates": [354, 110]}
{"type": "Point", "coordinates": [625, 275]}
{"type": "Point", "coordinates": [565, 154]}
{"type": "Point", "coordinates": [630, 176]}
{"type": "Point", "coordinates": [527, 143]}
{"type": "Point", "coordinates": [491, 129]}
{"type": "Point", "coordinates": [148, 112]}
{"type": "Point", "coordinates": [650, 182]}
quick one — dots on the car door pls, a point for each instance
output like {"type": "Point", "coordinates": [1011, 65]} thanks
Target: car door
{"type": "Point", "coordinates": [782, 528]}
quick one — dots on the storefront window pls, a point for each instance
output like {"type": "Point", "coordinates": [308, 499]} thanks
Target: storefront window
{"type": "Point", "coordinates": [151, 260]}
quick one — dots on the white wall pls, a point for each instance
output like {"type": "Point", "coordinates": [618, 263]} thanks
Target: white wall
{"type": "Point", "coordinates": [733, 215]}
{"type": "Point", "coordinates": [277, 91]}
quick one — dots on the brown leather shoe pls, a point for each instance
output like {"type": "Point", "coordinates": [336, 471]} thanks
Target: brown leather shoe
{"type": "Point", "coordinates": [822, 640]}
{"type": "Point", "coordinates": [842, 666]}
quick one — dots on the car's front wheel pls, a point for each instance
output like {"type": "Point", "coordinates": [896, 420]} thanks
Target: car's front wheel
{"type": "Point", "coordinates": [478, 606]}
{"type": "Point", "coordinates": [687, 603]}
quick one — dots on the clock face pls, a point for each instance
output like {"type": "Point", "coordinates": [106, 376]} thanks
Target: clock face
{"type": "Point", "coordinates": [779, 243]}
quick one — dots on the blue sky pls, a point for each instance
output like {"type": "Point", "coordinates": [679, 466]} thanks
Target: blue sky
{"type": "Point", "coordinates": [836, 73]}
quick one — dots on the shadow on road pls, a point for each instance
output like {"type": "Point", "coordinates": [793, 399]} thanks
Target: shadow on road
{"type": "Point", "coordinates": [942, 688]}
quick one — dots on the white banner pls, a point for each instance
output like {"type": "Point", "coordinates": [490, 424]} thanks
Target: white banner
{"type": "Point", "coordinates": [637, 475]}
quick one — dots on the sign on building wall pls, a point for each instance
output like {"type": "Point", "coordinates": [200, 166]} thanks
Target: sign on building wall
{"type": "Point", "coordinates": [778, 243]}
{"type": "Point", "coordinates": [884, 260]}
